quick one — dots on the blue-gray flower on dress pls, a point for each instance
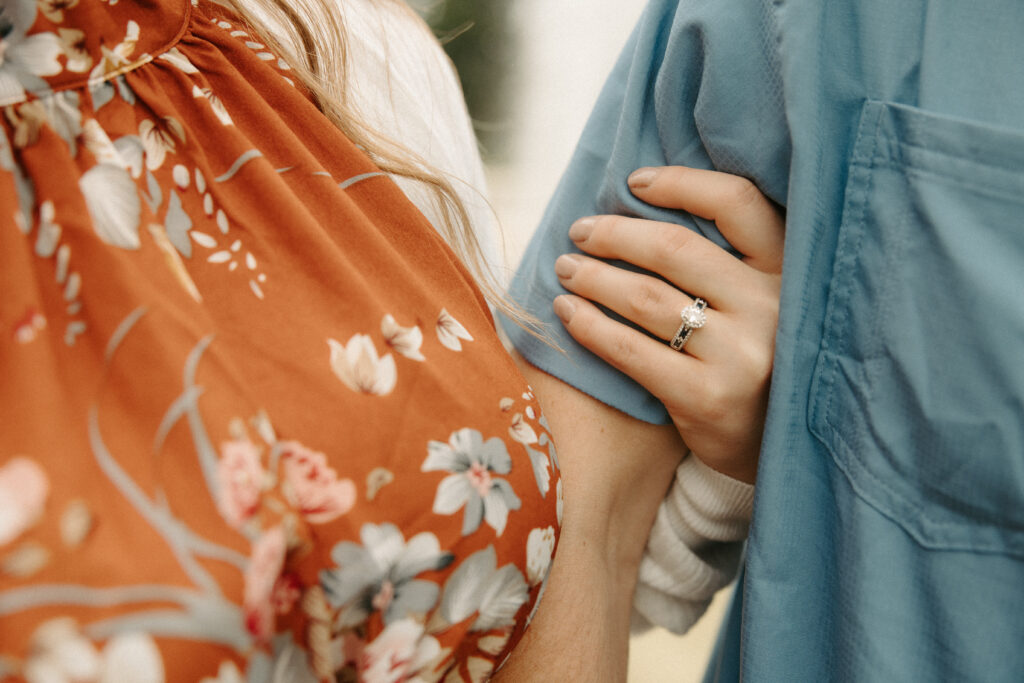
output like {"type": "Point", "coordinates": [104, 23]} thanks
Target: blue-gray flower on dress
{"type": "Point", "coordinates": [23, 58]}
{"type": "Point", "coordinates": [473, 463]}
{"type": "Point", "coordinates": [379, 575]}
{"type": "Point", "coordinates": [478, 586]}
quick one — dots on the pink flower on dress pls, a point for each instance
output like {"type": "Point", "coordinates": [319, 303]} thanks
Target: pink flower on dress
{"type": "Point", "coordinates": [287, 591]}
{"type": "Point", "coordinates": [24, 488]}
{"type": "Point", "coordinates": [261, 577]}
{"type": "Point", "coordinates": [241, 479]}
{"type": "Point", "coordinates": [312, 486]}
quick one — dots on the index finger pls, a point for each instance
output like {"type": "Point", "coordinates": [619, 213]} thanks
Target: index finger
{"type": "Point", "coordinates": [744, 216]}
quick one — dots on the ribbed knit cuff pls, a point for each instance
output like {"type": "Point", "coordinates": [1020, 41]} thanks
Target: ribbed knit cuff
{"type": "Point", "coordinates": [694, 547]}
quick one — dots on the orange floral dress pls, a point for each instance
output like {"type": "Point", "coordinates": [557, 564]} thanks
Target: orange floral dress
{"type": "Point", "coordinates": [255, 421]}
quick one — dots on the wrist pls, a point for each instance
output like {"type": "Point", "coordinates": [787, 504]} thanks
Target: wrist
{"type": "Point", "coordinates": [610, 562]}
{"type": "Point", "coordinates": [744, 471]}
{"type": "Point", "coordinates": [611, 535]}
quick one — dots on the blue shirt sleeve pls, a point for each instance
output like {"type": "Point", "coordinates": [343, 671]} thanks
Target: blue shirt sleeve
{"type": "Point", "coordinates": [696, 85]}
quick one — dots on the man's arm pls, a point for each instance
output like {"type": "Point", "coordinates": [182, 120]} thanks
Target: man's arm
{"type": "Point", "coordinates": [697, 86]}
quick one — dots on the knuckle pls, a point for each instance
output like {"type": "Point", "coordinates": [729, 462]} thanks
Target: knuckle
{"type": "Point", "coordinates": [762, 308]}
{"type": "Point", "coordinates": [623, 350]}
{"type": "Point", "coordinates": [644, 300]}
{"type": "Point", "coordinates": [585, 271]}
{"type": "Point", "coordinates": [675, 243]}
{"type": "Point", "coordinates": [581, 327]}
{"type": "Point", "coordinates": [604, 231]}
{"type": "Point", "coordinates": [742, 193]}
{"type": "Point", "coordinates": [754, 359]}
{"type": "Point", "coordinates": [716, 401]}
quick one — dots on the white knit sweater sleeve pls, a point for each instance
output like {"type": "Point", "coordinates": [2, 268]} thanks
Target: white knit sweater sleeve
{"type": "Point", "coordinates": [694, 548]}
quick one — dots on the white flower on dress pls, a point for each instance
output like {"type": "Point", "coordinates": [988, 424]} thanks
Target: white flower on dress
{"type": "Point", "coordinates": [478, 586]}
{"type": "Point", "coordinates": [398, 654]}
{"type": "Point", "coordinates": [378, 478]}
{"type": "Point", "coordinates": [521, 430]}
{"type": "Point", "coordinates": [178, 60]}
{"type": "Point", "coordinates": [216, 104]}
{"type": "Point", "coordinates": [158, 138]}
{"type": "Point", "coordinates": [380, 575]}
{"type": "Point", "coordinates": [227, 672]}
{"type": "Point", "coordinates": [24, 488]}
{"type": "Point", "coordinates": [540, 547]}
{"type": "Point", "coordinates": [473, 463]}
{"type": "Point", "coordinates": [64, 115]}
{"type": "Point", "coordinates": [54, 9]}
{"type": "Point", "coordinates": [135, 653]}
{"type": "Point", "coordinates": [24, 59]}
{"type": "Point", "coordinates": [450, 331]}
{"type": "Point", "coordinates": [359, 367]}
{"type": "Point", "coordinates": [558, 501]}
{"type": "Point", "coordinates": [116, 58]}
{"type": "Point", "coordinates": [61, 654]}
{"type": "Point", "coordinates": [72, 43]}
{"type": "Point", "coordinates": [102, 147]}
{"type": "Point", "coordinates": [404, 340]}
{"type": "Point", "coordinates": [113, 202]}
{"type": "Point", "coordinates": [48, 234]}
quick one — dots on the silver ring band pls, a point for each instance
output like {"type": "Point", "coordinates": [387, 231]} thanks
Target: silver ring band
{"type": "Point", "coordinates": [693, 318]}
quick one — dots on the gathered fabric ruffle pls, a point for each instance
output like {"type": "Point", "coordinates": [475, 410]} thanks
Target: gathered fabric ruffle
{"type": "Point", "coordinates": [256, 420]}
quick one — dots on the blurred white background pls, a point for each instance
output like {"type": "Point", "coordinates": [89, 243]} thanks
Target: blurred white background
{"type": "Point", "coordinates": [563, 56]}
{"type": "Point", "coordinates": [564, 51]}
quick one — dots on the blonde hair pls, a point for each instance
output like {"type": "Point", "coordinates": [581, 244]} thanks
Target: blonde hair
{"type": "Point", "coordinates": [314, 45]}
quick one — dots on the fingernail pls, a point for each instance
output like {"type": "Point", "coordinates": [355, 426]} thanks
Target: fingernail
{"type": "Point", "coordinates": [564, 308]}
{"type": "Point", "coordinates": [566, 265]}
{"type": "Point", "coordinates": [641, 178]}
{"type": "Point", "coordinates": [581, 229]}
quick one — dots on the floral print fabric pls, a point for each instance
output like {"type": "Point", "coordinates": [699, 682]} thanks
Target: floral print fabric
{"type": "Point", "coordinates": [256, 424]}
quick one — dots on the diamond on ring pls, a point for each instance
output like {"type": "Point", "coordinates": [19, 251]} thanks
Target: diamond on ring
{"type": "Point", "coordinates": [693, 318]}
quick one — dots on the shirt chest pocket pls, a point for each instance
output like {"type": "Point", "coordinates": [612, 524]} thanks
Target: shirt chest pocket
{"type": "Point", "coordinates": [919, 385]}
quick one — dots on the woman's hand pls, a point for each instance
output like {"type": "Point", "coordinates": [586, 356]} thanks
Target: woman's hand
{"type": "Point", "coordinates": [716, 387]}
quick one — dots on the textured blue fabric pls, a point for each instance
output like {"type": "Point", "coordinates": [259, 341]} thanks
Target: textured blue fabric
{"type": "Point", "coordinates": [888, 536]}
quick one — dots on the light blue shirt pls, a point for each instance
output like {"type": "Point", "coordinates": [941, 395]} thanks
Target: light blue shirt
{"type": "Point", "coordinates": [888, 536]}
